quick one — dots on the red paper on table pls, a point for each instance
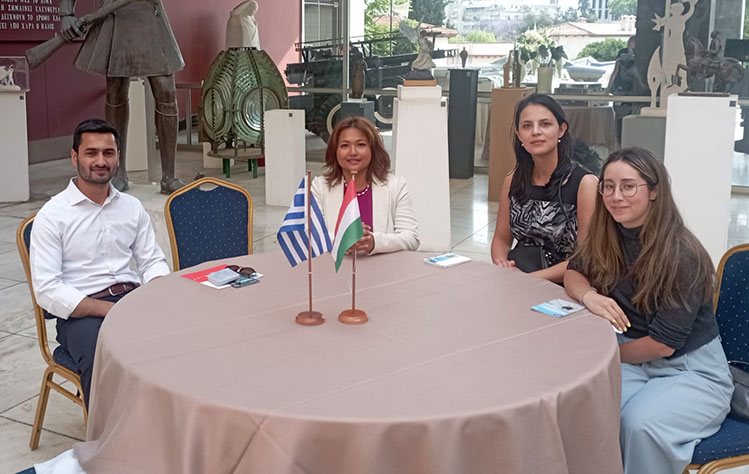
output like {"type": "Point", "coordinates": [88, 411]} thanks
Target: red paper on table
{"type": "Point", "coordinates": [202, 275]}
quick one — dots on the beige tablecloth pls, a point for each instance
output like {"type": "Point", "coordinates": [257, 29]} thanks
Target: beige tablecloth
{"type": "Point", "coordinates": [452, 374]}
{"type": "Point", "coordinates": [593, 125]}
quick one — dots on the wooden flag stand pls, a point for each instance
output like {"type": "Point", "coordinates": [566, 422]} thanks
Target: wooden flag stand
{"type": "Point", "coordinates": [309, 318]}
{"type": "Point", "coordinates": [353, 315]}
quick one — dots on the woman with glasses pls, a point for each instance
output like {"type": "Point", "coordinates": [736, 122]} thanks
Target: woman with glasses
{"type": "Point", "coordinates": [355, 149]}
{"type": "Point", "coordinates": [546, 202]}
{"type": "Point", "coordinates": [644, 272]}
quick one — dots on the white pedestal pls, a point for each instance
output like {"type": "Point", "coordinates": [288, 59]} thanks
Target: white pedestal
{"type": "Point", "coordinates": [14, 179]}
{"type": "Point", "coordinates": [284, 155]}
{"type": "Point", "coordinates": [137, 133]}
{"type": "Point", "coordinates": [699, 158]}
{"type": "Point", "coordinates": [420, 155]}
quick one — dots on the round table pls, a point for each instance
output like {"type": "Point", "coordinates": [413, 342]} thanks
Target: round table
{"type": "Point", "coordinates": [453, 373]}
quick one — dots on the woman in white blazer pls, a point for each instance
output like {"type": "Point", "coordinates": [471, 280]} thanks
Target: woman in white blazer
{"type": "Point", "coordinates": [355, 149]}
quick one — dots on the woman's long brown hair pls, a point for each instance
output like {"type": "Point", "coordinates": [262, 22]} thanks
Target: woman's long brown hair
{"type": "Point", "coordinates": [658, 271]}
{"type": "Point", "coordinates": [380, 164]}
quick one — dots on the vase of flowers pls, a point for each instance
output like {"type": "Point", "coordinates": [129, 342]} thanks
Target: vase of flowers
{"type": "Point", "coordinates": [538, 52]}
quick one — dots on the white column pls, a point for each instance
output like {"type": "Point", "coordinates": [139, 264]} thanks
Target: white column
{"type": "Point", "coordinates": [284, 155]}
{"type": "Point", "coordinates": [699, 159]}
{"type": "Point", "coordinates": [14, 179]}
{"type": "Point", "coordinates": [420, 156]}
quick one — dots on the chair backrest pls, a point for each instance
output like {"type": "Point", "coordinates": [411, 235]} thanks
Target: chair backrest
{"type": "Point", "coordinates": [23, 241]}
{"type": "Point", "coordinates": [208, 224]}
{"type": "Point", "coordinates": [732, 302]}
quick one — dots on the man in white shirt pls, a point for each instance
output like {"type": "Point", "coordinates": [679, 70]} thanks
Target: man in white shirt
{"type": "Point", "coordinates": [82, 242]}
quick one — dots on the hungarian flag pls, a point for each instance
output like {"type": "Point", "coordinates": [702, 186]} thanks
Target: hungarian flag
{"type": "Point", "coordinates": [348, 229]}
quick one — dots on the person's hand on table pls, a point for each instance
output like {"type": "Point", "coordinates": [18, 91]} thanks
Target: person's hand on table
{"type": "Point", "coordinates": [504, 263]}
{"type": "Point", "coordinates": [366, 243]}
{"type": "Point", "coordinates": [606, 308]}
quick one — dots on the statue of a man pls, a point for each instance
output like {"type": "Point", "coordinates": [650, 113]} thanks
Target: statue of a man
{"type": "Point", "coordinates": [136, 40]}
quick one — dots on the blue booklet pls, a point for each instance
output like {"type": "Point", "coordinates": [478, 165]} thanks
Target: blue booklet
{"type": "Point", "coordinates": [558, 308]}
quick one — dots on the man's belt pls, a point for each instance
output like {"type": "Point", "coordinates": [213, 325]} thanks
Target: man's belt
{"type": "Point", "coordinates": [115, 290]}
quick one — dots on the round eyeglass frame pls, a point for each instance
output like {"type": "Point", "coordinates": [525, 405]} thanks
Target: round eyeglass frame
{"type": "Point", "coordinates": [613, 190]}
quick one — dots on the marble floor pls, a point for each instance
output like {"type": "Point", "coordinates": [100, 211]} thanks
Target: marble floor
{"type": "Point", "coordinates": [21, 366]}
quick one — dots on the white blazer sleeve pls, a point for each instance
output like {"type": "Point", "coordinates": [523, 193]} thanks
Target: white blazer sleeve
{"type": "Point", "coordinates": [404, 234]}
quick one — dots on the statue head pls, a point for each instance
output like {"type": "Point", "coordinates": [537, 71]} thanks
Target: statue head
{"type": "Point", "coordinates": [714, 34]}
{"type": "Point", "coordinates": [677, 8]}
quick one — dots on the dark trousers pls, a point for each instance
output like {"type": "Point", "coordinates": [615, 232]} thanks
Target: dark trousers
{"type": "Point", "coordinates": [78, 336]}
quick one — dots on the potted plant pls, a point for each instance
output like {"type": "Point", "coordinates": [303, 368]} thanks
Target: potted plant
{"type": "Point", "coordinates": [540, 56]}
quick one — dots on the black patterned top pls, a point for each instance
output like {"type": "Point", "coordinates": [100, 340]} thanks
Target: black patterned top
{"type": "Point", "coordinates": [549, 223]}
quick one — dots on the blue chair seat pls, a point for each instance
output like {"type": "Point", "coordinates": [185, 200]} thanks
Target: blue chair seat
{"type": "Point", "coordinates": [63, 357]}
{"type": "Point", "coordinates": [731, 440]}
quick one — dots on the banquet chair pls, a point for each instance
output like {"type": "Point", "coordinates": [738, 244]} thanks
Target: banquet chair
{"type": "Point", "coordinates": [208, 224]}
{"type": "Point", "coordinates": [59, 362]}
{"type": "Point", "coordinates": [729, 447]}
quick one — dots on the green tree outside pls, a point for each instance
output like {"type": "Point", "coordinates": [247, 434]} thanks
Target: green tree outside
{"type": "Point", "coordinates": [428, 11]}
{"type": "Point", "coordinates": [603, 50]}
{"type": "Point", "coordinates": [478, 36]}
{"type": "Point", "coordinates": [622, 7]}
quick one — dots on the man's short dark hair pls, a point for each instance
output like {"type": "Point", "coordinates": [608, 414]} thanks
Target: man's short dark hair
{"type": "Point", "coordinates": [94, 126]}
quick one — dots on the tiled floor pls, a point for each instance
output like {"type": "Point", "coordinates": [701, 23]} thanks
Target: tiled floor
{"type": "Point", "coordinates": [21, 365]}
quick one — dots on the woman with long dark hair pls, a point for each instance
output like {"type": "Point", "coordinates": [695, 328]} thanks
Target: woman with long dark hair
{"type": "Point", "coordinates": [644, 272]}
{"type": "Point", "coordinates": [546, 201]}
{"type": "Point", "coordinates": [355, 149]}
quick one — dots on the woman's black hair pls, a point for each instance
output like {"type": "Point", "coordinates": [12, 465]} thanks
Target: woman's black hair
{"type": "Point", "coordinates": [522, 179]}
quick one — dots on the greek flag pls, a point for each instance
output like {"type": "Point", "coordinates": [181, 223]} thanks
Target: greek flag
{"type": "Point", "coordinates": [292, 236]}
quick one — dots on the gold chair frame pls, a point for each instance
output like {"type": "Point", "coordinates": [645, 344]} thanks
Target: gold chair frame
{"type": "Point", "coordinates": [52, 366]}
{"type": "Point", "coordinates": [189, 187]}
{"type": "Point", "coordinates": [735, 461]}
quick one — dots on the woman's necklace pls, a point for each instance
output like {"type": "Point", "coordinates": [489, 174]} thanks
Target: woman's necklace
{"type": "Point", "coordinates": [362, 192]}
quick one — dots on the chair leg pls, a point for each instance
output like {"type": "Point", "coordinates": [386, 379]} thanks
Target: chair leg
{"type": "Point", "coordinates": [227, 168]}
{"type": "Point", "coordinates": [41, 409]}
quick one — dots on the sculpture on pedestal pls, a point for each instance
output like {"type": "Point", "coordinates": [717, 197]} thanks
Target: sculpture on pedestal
{"type": "Point", "coordinates": [6, 79]}
{"type": "Point", "coordinates": [134, 41]}
{"type": "Point", "coordinates": [664, 73]}
{"type": "Point", "coordinates": [423, 64]}
{"type": "Point", "coordinates": [241, 84]}
{"type": "Point", "coordinates": [702, 63]}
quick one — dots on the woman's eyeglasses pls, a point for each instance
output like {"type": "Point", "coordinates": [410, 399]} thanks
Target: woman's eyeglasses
{"type": "Point", "coordinates": [245, 271]}
{"type": "Point", "coordinates": [627, 188]}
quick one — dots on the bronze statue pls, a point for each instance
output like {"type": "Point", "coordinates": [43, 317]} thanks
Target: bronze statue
{"type": "Point", "coordinates": [727, 71]}
{"type": "Point", "coordinates": [135, 40]}
{"type": "Point", "coordinates": [359, 77]}
{"type": "Point", "coordinates": [464, 57]}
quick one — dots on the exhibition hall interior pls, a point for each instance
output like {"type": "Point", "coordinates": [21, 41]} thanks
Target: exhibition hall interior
{"type": "Point", "coordinates": [374, 236]}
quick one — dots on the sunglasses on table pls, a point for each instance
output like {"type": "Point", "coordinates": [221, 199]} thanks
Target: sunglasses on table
{"type": "Point", "coordinates": [244, 271]}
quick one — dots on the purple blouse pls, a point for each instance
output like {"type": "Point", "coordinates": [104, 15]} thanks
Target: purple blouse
{"type": "Point", "coordinates": [364, 198]}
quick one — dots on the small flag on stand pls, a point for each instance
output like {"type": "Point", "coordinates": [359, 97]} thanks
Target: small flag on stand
{"type": "Point", "coordinates": [348, 228]}
{"type": "Point", "coordinates": [292, 236]}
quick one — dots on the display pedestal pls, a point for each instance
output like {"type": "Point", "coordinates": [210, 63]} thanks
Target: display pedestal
{"type": "Point", "coordinates": [699, 159]}
{"type": "Point", "coordinates": [420, 155]}
{"type": "Point", "coordinates": [284, 155]}
{"type": "Point", "coordinates": [501, 153]}
{"type": "Point", "coordinates": [358, 108]}
{"type": "Point", "coordinates": [645, 131]}
{"type": "Point", "coordinates": [14, 180]}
